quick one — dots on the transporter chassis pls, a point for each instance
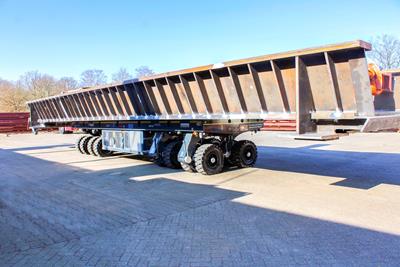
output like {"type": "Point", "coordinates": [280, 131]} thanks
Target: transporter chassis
{"type": "Point", "coordinates": [195, 146]}
{"type": "Point", "coordinates": [191, 117]}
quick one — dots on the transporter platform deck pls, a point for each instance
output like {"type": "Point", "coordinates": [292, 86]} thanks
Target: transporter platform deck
{"type": "Point", "coordinates": [313, 87]}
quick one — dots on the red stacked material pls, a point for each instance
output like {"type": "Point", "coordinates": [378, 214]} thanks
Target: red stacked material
{"type": "Point", "coordinates": [279, 125]}
{"type": "Point", "coordinates": [14, 122]}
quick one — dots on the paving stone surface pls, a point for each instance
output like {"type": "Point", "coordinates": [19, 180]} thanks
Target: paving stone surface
{"type": "Point", "coordinates": [59, 208]}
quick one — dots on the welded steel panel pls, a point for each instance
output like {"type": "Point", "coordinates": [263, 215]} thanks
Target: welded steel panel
{"type": "Point", "coordinates": [389, 99]}
{"type": "Point", "coordinates": [323, 83]}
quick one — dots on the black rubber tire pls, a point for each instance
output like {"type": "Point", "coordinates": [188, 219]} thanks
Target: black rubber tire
{"type": "Point", "coordinates": [96, 132]}
{"type": "Point", "coordinates": [78, 144]}
{"type": "Point", "coordinates": [230, 162]}
{"type": "Point", "coordinates": [188, 167]}
{"type": "Point", "coordinates": [90, 147]}
{"type": "Point", "coordinates": [209, 159]}
{"type": "Point", "coordinates": [83, 144]}
{"type": "Point", "coordinates": [244, 154]}
{"type": "Point", "coordinates": [98, 148]}
{"type": "Point", "coordinates": [170, 154]}
{"type": "Point", "coordinates": [159, 157]}
{"type": "Point", "coordinates": [159, 161]}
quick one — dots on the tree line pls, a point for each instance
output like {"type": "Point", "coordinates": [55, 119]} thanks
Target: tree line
{"type": "Point", "coordinates": [34, 85]}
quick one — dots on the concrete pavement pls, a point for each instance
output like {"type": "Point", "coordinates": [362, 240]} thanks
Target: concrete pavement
{"type": "Point", "coordinates": [305, 203]}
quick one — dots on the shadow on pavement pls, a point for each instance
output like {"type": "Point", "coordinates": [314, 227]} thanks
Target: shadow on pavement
{"type": "Point", "coordinates": [362, 170]}
{"type": "Point", "coordinates": [53, 209]}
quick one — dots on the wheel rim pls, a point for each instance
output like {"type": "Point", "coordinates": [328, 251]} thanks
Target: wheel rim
{"type": "Point", "coordinates": [248, 154]}
{"type": "Point", "coordinates": [212, 161]}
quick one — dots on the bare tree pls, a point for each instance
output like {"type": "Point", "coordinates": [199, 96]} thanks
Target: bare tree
{"type": "Point", "coordinates": [143, 71]}
{"type": "Point", "coordinates": [39, 85]}
{"type": "Point", "coordinates": [4, 84]}
{"type": "Point", "coordinates": [12, 98]}
{"type": "Point", "coordinates": [386, 51]}
{"type": "Point", "coordinates": [67, 83]}
{"type": "Point", "coordinates": [121, 75]}
{"type": "Point", "coordinates": [93, 77]}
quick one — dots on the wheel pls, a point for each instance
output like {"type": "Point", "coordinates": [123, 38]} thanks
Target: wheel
{"type": "Point", "coordinates": [170, 154]}
{"type": "Point", "coordinates": [78, 145]}
{"type": "Point", "coordinates": [159, 158]}
{"type": "Point", "coordinates": [213, 141]}
{"type": "Point", "coordinates": [159, 161]}
{"type": "Point", "coordinates": [98, 148]}
{"type": "Point", "coordinates": [90, 145]}
{"type": "Point", "coordinates": [188, 167]}
{"type": "Point", "coordinates": [244, 154]}
{"type": "Point", "coordinates": [83, 144]}
{"type": "Point", "coordinates": [95, 132]}
{"type": "Point", "coordinates": [209, 159]}
{"type": "Point", "coordinates": [229, 162]}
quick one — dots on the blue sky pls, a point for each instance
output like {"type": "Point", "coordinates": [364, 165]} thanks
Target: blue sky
{"type": "Point", "coordinates": [64, 38]}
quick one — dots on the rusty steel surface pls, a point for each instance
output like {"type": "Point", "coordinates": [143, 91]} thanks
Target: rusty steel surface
{"type": "Point", "coordinates": [14, 122]}
{"type": "Point", "coordinates": [395, 83]}
{"type": "Point", "coordinates": [396, 88]}
{"type": "Point", "coordinates": [323, 83]}
{"type": "Point", "coordinates": [389, 99]}
{"type": "Point", "coordinates": [279, 125]}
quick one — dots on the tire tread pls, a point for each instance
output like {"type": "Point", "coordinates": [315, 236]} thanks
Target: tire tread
{"type": "Point", "coordinates": [236, 149]}
{"type": "Point", "coordinates": [78, 144]}
{"type": "Point", "coordinates": [168, 152]}
{"type": "Point", "coordinates": [199, 159]}
{"type": "Point", "coordinates": [83, 145]}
